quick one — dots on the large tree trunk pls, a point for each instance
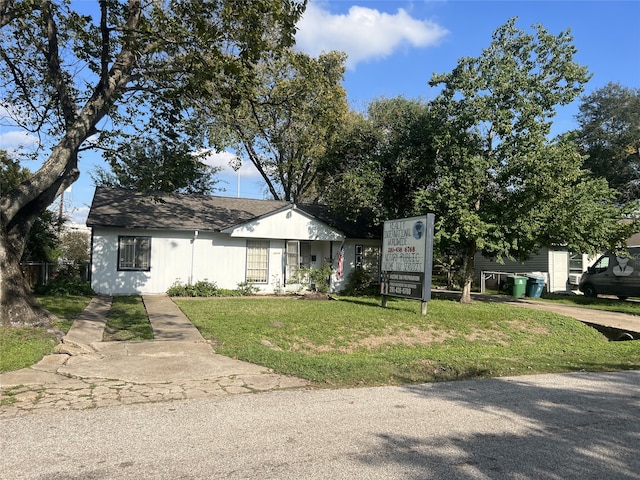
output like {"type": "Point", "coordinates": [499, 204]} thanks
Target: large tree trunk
{"type": "Point", "coordinates": [468, 271]}
{"type": "Point", "coordinates": [18, 305]}
{"type": "Point", "coordinates": [21, 206]}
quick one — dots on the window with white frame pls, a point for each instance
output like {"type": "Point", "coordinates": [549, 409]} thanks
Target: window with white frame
{"type": "Point", "coordinates": [257, 261]}
{"type": "Point", "coordinates": [368, 258]}
{"type": "Point", "coordinates": [134, 253]}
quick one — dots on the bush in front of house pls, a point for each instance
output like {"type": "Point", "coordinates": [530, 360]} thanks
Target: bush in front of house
{"type": "Point", "coordinates": [360, 282]}
{"type": "Point", "coordinates": [246, 289]}
{"type": "Point", "coordinates": [317, 279]}
{"type": "Point", "coordinates": [64, 287]}
{"type": "Point", "coordinates": [202, 288]}
{"type": "Point", "coordinates": [205, 288]}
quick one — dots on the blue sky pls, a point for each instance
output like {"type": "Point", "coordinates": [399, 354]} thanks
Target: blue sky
{"type": "Point", "coordinates": [395, 46]}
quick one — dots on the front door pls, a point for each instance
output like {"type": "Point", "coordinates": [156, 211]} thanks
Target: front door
{"type": "Point", "coordinates": [298, 255]}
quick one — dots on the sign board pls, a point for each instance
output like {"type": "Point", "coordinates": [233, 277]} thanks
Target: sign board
{"type": "Point", "coordinates": [407, 257]}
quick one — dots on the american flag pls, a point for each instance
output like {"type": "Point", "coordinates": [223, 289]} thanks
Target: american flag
{"type": "Point", "coordinates": [340, 261]}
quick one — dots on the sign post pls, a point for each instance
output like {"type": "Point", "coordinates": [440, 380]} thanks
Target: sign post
{"type": "Point", "coordinates": [407, 259]}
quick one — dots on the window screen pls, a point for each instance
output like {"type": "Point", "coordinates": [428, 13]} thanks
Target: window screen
{"type": "Point", "coordinates": [257, 261]}
{"type": "Point", "coordinates": [134, 253]}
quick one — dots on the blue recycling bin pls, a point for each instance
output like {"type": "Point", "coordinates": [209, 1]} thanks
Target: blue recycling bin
{"type": "Point", "coordinates": [535, 285]}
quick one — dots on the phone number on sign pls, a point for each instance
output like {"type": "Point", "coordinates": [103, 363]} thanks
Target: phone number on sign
{"type": "Point", "coordinates": [401, 249]}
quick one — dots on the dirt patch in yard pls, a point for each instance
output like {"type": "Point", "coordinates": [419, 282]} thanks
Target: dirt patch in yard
{"type": "Point", "coordinates": [409, 337]}
{"type": "Point", "coordinates": [417, 337]}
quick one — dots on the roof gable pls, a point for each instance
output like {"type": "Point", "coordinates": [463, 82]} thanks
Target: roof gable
{"type": "Point", "coordinates": [291, 223]}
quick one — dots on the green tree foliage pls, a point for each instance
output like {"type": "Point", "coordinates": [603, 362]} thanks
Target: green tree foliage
{"type": "Point", "coordinates": [130, 66]}
{"type": "Point", "coordinates": [609, 135]}
{"type": "Point", "coordinates": [283, 125]}
{"type": "Point", "coordinates": [75, 246]}
{"type": "Point", "coordinates": [380, 160]}
{"type": "Point", "coordinates": [11, 172]}
{"type": "Point", "coordinates": [151, 165]}
{"type": "Point", "coordinates": [349, 170]}
{"type": "Point", "coordinates": [501, 188]}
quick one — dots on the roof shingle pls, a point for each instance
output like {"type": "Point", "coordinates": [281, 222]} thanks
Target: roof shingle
{"type": "Point", "coordinates": [121, 208]}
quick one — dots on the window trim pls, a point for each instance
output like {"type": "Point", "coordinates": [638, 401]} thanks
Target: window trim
{"type": "Point", "coordinates": [265, 244]}
{"type": "Point", "coordinates": [134, 268]}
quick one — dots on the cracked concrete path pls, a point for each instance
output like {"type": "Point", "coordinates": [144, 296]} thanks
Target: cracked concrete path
{"type": "Point", "coordinates": [85, 372]}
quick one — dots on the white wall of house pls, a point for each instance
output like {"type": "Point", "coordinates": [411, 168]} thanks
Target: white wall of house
{"type": "Point", "coordinates": [189, 257]}
{"type": "Point", "coordinates": [175, 256]}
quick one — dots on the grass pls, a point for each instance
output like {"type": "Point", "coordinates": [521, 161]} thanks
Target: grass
{"type": "Point", "coordinates": [356, 342]}
{"type": "Point", "coordinates": [21, 347]}
{"type": "Point", "coordinates": [127, 320]}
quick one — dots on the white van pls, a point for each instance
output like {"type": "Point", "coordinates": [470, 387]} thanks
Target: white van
{"type": "Point", "coordinates": [613, 275]}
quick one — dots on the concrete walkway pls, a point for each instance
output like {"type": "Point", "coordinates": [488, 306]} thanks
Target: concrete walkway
{"type": "Point", "coordinates": [629, 324]}
{"type": "Point", "coordinates": [86, 372]}
{"type": "Point", "coordinates": [168, 321]}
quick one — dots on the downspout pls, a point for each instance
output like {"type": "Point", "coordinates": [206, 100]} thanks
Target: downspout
{"type": "Point", "coordinates": [193, 251]}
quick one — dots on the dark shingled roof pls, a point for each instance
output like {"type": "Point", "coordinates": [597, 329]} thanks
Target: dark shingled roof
{"type": "Point", "coordinates": [121, 208]}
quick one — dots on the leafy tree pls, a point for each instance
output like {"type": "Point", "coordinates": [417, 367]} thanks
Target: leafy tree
{"type": "Point", "coordinates": [284, 126]}
{"type": "Point", "coordinates": [349, 169]}
{"type": "Point", "coordinates": [75, 246]}
{"type": "Point", "coordinates": [151, 165]}
{"type": "Point", "coordinates": [139, 64]}
{"type": "Point", "coordinates": [380, 160]}
{"type": "Point", "coordinates": [11, 173]}
{"type": "Point", "coordinates": [609, 135]}
{"type": "Point", "coordinates": [500, 187]}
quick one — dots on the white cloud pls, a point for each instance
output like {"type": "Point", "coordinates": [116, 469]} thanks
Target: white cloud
{"type": "Point", "coordinates": [78, 215]}
{"type": "Point", "coordinates": [363, 33]}
{"type": "Point", "coordinates": [16, 139]}
{"type": "Point", "coordinates": [223, 159]}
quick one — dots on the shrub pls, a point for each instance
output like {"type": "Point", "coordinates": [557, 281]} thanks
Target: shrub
{"type": "Point", "coordinates": [202, 288]}
{"type": "Point", "coordinates": [360, 282]}
{"type": "Point", "coordinates": [318, 278]}
{"type": "Point", "coordinates": [247, 288]}
{"type": "Point", "coordinates": [62, 287]}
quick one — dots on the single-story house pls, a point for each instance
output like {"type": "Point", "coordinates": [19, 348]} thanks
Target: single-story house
{"type": "Point", "coordinates": [145, 243]}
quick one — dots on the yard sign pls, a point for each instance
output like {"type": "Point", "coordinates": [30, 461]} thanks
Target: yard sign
{"type": "Point", "coordinates": [407, 259]}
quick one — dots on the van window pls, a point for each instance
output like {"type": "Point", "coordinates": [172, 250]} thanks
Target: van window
{"type": "Point", "coordinates": [601, 265]}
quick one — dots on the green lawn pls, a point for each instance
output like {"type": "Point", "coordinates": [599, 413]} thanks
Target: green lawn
{"type": "Point", "coordinates": [127, 320]}
{"type": "Point", "coordinates": [21, 347]}
{"type": "Point", "coordinates": [354, 341]}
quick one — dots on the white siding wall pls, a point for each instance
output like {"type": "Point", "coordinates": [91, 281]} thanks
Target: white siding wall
{"type": "Point", "coordinates": [175, 256]}
{"type": "Point", "coordinates": [189, 258]}
{"type": "Point", "coordinates": [290, 224]}
{"type": "Point", "coordinates": [558, 271]}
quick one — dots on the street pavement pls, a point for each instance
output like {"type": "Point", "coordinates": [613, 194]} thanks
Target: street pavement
{"type": "Point", "coordinates": [571, 426]}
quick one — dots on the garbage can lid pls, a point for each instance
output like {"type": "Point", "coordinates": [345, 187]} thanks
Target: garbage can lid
{"type": "Point", "coordinates": [536, 276]}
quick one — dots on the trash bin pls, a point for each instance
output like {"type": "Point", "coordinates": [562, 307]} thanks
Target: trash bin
{"type": "Point", "coordinates": [535, 285]}
{"type": "Point", "coordinates": [516, 285]}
